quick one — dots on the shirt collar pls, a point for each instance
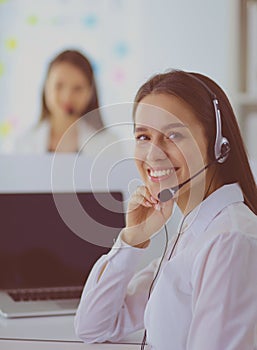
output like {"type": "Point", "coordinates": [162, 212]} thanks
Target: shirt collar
{"type": "Point", "coordinates": [201, 216]}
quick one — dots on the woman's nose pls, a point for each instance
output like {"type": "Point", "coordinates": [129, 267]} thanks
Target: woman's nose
{"type": "Point", "coordinates": [67, 94]}
{"type": "Point", "coordinates": [155, 152]}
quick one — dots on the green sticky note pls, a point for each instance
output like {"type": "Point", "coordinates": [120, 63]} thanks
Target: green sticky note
{"type": "Point", "coordinates": [32, 20]}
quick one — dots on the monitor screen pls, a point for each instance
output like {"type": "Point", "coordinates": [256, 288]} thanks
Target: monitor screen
{"type": "Point", "coordinates": [38, 249]}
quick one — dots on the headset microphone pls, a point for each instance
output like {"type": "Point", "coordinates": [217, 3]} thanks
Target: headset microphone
{"type": "Point", "coordinates": [221, 147]}
{"type": "Point", "coordinates": [169, 193]}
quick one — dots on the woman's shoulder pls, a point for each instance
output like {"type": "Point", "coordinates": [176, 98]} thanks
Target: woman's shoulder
{"type": "Point", "coordinates": [234, 226]}
{"type": "Point", "coordinates": [32, 140]}
{"type": "Point", "coordinates": [232, 232]}
{"type": "Point", "coordinates": [104, 140]}
{"type": "Point", "coordinates": [236, 218]}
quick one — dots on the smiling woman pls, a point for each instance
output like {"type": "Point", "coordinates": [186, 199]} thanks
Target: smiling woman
{"type": "Point", "coordinates": [187, 138]}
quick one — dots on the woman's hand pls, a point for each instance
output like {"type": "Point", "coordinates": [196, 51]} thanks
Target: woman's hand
{"type": "Point", "coordinates": [145, 216]}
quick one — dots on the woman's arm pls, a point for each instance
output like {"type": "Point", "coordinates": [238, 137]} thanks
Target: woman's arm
{"type": "Point", "coordinates": [114, 298]}
{"type": "Point", "coordinates": [113, 301]}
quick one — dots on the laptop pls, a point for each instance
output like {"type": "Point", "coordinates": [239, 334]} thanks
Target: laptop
{"type": "Point", "coordinates": [47, 249]}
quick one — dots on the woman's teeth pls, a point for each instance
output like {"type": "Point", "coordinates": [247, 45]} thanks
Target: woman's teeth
{"type": "Point", "coordinates": [159, 173]}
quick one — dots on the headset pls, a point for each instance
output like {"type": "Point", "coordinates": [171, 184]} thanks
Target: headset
{"type": "Point", "coordinates": [221, 146]}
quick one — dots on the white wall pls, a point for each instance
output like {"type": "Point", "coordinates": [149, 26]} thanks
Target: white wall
{"type": "Point", "coordinates": [191, 35]}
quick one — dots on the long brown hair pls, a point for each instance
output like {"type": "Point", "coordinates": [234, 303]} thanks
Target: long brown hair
{"type": "Point", "coordinates": [186, 86]}
{"type": "Point", "coordinates": [82, 63]}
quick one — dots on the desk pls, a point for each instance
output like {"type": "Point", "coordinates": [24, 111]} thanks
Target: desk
{"type": "Point", "coordinates": [36, 345]}
{"type": "Point", "coordinates": [49, 333]}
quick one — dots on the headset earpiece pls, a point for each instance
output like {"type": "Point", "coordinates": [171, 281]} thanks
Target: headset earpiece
{"type": "Point", "coordinates": [222, 146]}
{"type": "Point", "coordinates": [224, 150]}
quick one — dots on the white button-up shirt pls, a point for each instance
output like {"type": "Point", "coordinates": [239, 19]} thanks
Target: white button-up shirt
{"type": "Point", "coordinates": [205, 296]}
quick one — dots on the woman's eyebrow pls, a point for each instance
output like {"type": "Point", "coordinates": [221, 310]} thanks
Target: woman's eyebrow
{"type": "Point", "coordinates": [168, 126]}
{"type": "Point", "coordinates": [140, 129]}
{"type": "Point", "coordinates": [174, 125]}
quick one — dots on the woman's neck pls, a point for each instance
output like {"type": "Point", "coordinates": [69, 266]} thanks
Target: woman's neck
{"type": "Point", "coordinates": [192, 197]}
{"type": "Point", "coordinates": [59, 125]}
{"type": "Point", "coordinates": [63, 134]}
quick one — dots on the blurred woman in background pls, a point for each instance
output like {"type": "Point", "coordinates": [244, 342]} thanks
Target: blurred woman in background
{"type": "Point", "coordinates": [70, 120]}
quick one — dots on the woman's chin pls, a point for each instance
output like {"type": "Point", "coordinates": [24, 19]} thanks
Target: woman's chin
{"type": "Point", "coordinates": [154, 189]}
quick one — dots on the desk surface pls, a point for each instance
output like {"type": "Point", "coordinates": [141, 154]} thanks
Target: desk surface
{"type": "Point", "coordinates": [49, 329]}
{"type": "Point", "coordinates": [37, 345]}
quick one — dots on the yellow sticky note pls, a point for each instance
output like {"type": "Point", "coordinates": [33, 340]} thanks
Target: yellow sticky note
{"type": "Point", "coordinates": [1, 69]}
{"type": "Point", "coordinates": [5, 128]}
{"type": "Point", "coordinates": [11, 44]}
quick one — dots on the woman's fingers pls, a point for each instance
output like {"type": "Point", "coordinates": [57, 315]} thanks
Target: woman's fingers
{"type": "Point", "coordinates": [142, 196]}
{"type": "Point", "coordinates": [145, 216]}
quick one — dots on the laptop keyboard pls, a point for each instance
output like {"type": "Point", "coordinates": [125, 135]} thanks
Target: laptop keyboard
{"type": "Point", "coordinates": [34, 294]}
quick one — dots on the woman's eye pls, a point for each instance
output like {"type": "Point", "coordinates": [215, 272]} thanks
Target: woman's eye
{"type": "Point", "coordinates": [142, 138]}
{"type": "Point", "coordinates": [78, 88]}
{"type": "Point", "coordinates": [173, 136]}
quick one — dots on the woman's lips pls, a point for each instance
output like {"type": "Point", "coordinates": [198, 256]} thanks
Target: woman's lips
{"type": "Point", "coordinates": [69, 109]}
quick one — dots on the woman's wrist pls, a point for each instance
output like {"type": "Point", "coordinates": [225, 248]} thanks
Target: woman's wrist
{"type": "Point", "coordinates": [130, 237]}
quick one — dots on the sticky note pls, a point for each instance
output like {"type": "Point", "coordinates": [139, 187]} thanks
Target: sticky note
{"type": "Point", "coordinates": [121, 49]}
{"type": "Point", "coordinates": [32, 20]}
{"type": "Point", "coordinates": [5, 128]}
{"type": "Point", "coordinates": [118, 75]}
{"type": "Point", "coordinates": [1, 69]}
{"type": "Point", "coordinates": [11, 44]}
{"type": "Point", "coordinates": [90, 20]}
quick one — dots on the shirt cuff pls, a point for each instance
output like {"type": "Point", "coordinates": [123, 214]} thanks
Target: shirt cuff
{"type": "Point", "coordinates": [122, 247]}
